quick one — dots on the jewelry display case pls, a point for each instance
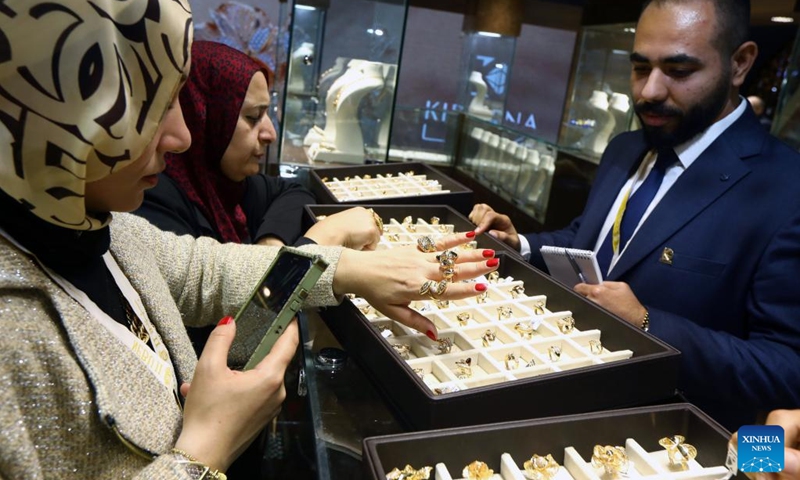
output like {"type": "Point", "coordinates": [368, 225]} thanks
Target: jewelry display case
{"type": "Point", "coordinates": [786, 124]}
{"type": "Point", "coordinates": [407, 183]}
{"type": "Point", "coordinates": [341, 81]}
{"type": "Point", "coordinates": [486, 68]}
{"type": "Point", "coordinates": [599, 104]}
{"type": "Point", "coordinates": [666, 442]}
{"type": "Point", "coordinates": [427, 135]}
{"type": "Point", "coordinates": [516, 166]}
{"type": "Point", "coordinates": [567, 376]}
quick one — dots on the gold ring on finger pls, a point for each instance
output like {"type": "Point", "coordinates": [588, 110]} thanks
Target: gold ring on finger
{"type": "Point", "coordinates": [449, 273]}
{"type": "Point", "coordinates": [426, 244]}
{"type": "Point", "coordinates": [437, 289]}
{"type": "Point", "coordinates": [425, 289]}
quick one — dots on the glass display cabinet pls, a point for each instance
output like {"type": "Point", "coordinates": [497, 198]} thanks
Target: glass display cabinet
{"type": "Point", "coordinates": [599, 104]}
{"type": "Point", "coordinates": [486, 68]}
{"type": "Point", "coordinates": [342, 72]}
{"type": "Point", "coordinates": [516, 166]}
{"type": "Point", "coordinates": [427, 135]}
{"type": "Point", "coordinates": [786, 124]}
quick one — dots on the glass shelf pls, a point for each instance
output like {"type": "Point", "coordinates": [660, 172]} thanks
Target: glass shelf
{"type": "Point", "coordinates": [516, 166]}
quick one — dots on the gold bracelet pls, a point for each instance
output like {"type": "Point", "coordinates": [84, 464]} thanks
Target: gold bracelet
{"type": "Point", "coordinates": [204, 471]}
{"type": "Point", "coordinates": [646, 321]}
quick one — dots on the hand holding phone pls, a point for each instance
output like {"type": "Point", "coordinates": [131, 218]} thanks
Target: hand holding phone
{"type": "Point", "coordinates": [279, 295]}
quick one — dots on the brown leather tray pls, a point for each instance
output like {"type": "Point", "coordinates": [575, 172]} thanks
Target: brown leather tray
{"type": "Point", "coordinates": [458, 196]}
{"type": "Point", "coordinates": [458, 447]}
{"type": "Point", "coordinates": [648, 377]}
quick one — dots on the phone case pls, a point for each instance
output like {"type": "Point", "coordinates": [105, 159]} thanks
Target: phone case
{"type": "Point", "coordinates": [290, 305]}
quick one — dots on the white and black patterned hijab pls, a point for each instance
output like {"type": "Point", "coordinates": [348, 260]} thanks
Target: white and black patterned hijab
{"type": "Point", "coordinates": [83, 87]}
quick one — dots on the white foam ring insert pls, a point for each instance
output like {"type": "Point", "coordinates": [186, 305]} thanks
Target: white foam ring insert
{"type": "Point", "coordinates": [491, 332]}
{"type": "Point", "coordinates": [404, 184]}
{"type": "Point", "coordinates": [643, 464]}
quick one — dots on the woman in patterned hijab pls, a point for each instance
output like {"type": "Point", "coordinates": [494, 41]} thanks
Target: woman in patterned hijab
{"type": "Point", "coordinates": [94, 357]}
{"type": "Point", "coordinates": [95, 350]}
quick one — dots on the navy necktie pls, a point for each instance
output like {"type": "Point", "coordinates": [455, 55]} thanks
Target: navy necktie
{"type": "Point", "coordinates": [634, 209]}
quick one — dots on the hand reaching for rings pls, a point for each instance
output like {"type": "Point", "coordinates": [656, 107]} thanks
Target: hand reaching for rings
{"type": "Point", "coordinates": [390, 279]}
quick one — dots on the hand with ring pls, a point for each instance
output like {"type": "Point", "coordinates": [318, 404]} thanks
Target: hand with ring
{"type": "Point", "coordinates": [390, 279]}
{"type": "Point", "coordinates": [357, 228]}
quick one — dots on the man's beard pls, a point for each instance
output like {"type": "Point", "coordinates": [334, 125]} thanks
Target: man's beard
{"type": "Point", "coordinates": [698, 118]}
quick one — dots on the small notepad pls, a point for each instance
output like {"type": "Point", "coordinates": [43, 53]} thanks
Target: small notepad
{"type": "Point", "coordinates": [562, 270]}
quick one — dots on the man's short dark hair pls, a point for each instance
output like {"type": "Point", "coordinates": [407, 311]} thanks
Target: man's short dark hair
{"type": "Point", "coordinates": [733, 21]}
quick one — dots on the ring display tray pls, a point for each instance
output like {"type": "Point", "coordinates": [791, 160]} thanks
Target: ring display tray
{"type": "Point", "coordinates": [397, 233]}
{"type": "Point", "coordinates": [571, 441]}
{"type": "Point", "coordinates": [390, 183]}
{"type": "Point", "coordinates": [520, 372]}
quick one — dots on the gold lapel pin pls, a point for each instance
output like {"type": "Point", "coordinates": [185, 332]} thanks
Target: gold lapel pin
{"type": "Point", "coordinates": [666, 256]}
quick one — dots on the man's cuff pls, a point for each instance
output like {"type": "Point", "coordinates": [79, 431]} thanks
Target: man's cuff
{"type": "Point", "coordinates": [524, 247]}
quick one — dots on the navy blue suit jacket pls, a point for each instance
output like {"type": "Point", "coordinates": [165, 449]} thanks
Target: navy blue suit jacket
{"type": "Point", "coordinates": [730, 300]}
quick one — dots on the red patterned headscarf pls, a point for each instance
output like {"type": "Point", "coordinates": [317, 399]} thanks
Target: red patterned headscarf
{"type": "Point", "coordinates": [211, 101]}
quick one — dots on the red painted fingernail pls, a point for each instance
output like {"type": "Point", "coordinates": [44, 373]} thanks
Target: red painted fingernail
{"type": "Point", "coordinates": [492, 262]}
{"type": "Point", "coordinates": [431, 334]}
{"type": "Point", "coordinates": [480, 287]}
{"type": "Point", "coordinates": [488, 253]}
{"type": "Point", "coordinates": [225, 321]}
{"type": "Point", "coordinates": [470, 234]}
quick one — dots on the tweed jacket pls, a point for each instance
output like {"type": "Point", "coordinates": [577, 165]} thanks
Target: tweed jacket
{"type": "Point", "coordinates": [74, 401]}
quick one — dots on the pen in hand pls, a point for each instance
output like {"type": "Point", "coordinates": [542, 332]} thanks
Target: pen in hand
{"type": "Point", "coordinates": [575, 265]}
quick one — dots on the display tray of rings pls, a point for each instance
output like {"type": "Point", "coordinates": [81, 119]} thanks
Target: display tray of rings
{"type": "Point", "coordinates": [389, 183]}
{"type": "Point", "coordinates": [403, 225]}
{"type": "Point", "coordinates": [527, 347]}
{"type": "Point", "coordinates": [668, 442]}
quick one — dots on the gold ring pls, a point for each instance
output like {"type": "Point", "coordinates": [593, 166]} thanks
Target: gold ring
{"type": "Point", "coordinates": [477, 470]}
{"type": "Point", "coordinates": [541, 468]}
{"type": "Point", "coordinates": [449, 273]}
{"type": "Point", "coordinates": [442, 304]}
{"type": "Point", "coordinates": [525, 330]}
{"type": "Point", "coordinates": [434, 221]}
{"type": "Point", "coordinates": [402, 349]}
{"type": "Point", "coordinates": [393, 237]}
{"type": "Point", "coordinates": [447, 254]}
{"type": "Point", "coordinates": [511, 361]}
{"type": "Point", "coordinates": [407, 221]}
{"type": "Point", "coordinates": [554, 352]}
{"type": "Point", "coordinates": [445, 389]}
{"type": "Point", "coordinates": [419, 372]}
{"type": "Point", "coordinates": [516, 291]}
{"type": "Point", "coordinates": [613, 460]}
{"type": "Point", "coordinates": [444, 345]}
{"type": "Point", "coordinates": [411, 227]}
{"type": "Point", "coordinates": [426, 244]}
{"type": "Point", "coordinates": [443, 228]}
{"type": "Point", "coordinates": [566, 325]}
{"type": "Point", "coordinates": [425, 289]}
{"type": "Point", "coordinates": [596, 347]}
{"type": "Point", "coordinates": [446, 262]}
{"type": "Point", "coordinates": [378, 220]}
{"type": "Point", "coordinates": [493, 277]}
{"type": "Point", "coordinates": [464, 368]}
{"type": "Point", "coordinates": [437, 289]}
{"type": "Point", "coordinates": [538, 308]}
{"type": "Point", "coordinates": [408, 473]}
{"type": "Point", "coordinates": [482, 297]}
{"type": "Point", "coordinates": [504, 312]}
{"type": "Point", "coordinates": [464, 318]}
{"type": "Point", "coordinates": [488, 337]}
{"type": "Point", "coordinates": [678, 452]}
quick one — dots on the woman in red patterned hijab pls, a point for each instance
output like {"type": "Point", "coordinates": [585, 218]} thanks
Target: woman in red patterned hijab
{"type": "Point", "coordinates": [214, 188]}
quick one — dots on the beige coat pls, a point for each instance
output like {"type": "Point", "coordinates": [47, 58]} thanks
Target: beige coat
{"type": "Point", "coordinates": [75, 402]}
